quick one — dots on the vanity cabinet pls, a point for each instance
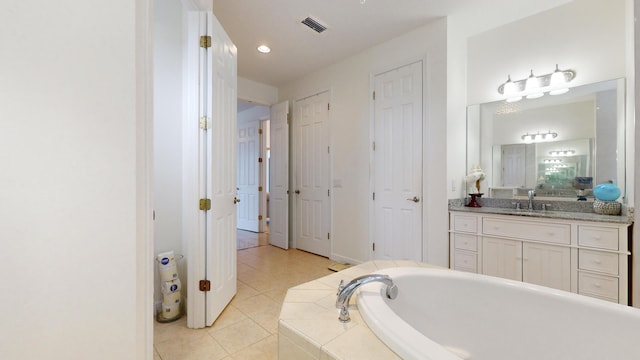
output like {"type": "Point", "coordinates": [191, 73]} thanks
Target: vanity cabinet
{"type": "Point", "coordinates": [588, 258]}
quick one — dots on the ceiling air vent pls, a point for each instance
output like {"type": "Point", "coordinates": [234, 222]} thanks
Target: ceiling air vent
{"type": "Point", "coordinates": [313, 24]}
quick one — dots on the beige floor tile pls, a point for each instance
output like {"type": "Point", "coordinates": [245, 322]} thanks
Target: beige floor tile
{"type": "Point", "coordinates": [229, 316]}
{"type": "Point", "coordinates": [240, 335]}
{"type": "Point", "coordinates": [200, 348]}
{"type": "Point", "coordinates": [256, 304]}
{"type": "Point", "coordinates": [266, 349]}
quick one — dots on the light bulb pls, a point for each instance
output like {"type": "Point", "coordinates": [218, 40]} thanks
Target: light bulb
{"type": "Point", "coordinates": [533, 87]}
{"type": "Point", "coordinates": [558, 83]}
{"type": "Point", "coordinates": [510, 91]}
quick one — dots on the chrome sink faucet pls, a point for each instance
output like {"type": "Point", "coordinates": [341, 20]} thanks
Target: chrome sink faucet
{"type": "Point", "coordinates": [531, 194]}
{"type": "Point", "coordinates": [345, 292]}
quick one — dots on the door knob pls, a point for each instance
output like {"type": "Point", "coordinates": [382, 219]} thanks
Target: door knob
{"type": "Point", "coordinates": [415, 199]}
{"type": "Point", "coordinates": [297, 191]}
{"type": "Point", "coordinates": [236, 200]}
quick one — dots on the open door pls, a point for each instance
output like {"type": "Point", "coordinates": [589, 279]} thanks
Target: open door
{"type": "Point", "coordinates": [249, 187]}
{"type": "Point", "coordinates": [279, 176]}
{"type": "Point", "coordinates": [210, 147]}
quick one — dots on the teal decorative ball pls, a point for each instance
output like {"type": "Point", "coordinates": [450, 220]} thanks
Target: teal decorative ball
{"type": "Point", "coordinates": [606, 192]}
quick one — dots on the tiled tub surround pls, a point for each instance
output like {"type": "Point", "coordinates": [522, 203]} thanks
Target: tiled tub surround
{"type": "Point", "coordinates": [309, 328]}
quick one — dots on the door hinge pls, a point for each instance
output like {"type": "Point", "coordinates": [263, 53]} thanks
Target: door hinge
{"type": "Point", "coordinates": [328, 106]}
{"type": "Point", "coordinates": [328, 236]}
{"type": "Point", "coordinates": [205, 285]}
{"type": "Point", "coordinates": [204, 123]}
{"type": "Point", "coordinates": [374, 95]}
{"type": "Point", "coordinates": [288, 118]}
{"type": "Point", "coordinates": [259, 188]}
{"type": "Point", "coordinates": [205, 204]}
{"type": "Point", "coordinates": [328, 192]}
{"type": "Point", "coordinates": [374, 146]}
{"type": "Point", "coordinates": [374, 196]}
{"type": "Point", "coordinates": [328, 149]}
{"type": "Point", "coordinates": [259, 217]}
{"type": "Point", "coordinates": [374, 246]}
{"type": "Point", "coordinates": [205, 41]}
{"type": "Point", "coordinates": [260, 131]}
{"type": "Point", "coordinates": [259, 159]}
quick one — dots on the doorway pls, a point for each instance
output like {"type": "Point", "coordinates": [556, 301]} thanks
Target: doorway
{"type": "Point", "coordinates": [397, 162]}
{"type": "Point", "coordinates": [199, 139]}
{"type": "Point", "coordinates": [312, 192]}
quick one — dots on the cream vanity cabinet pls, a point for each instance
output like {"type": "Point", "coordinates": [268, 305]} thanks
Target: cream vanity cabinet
{"type": "Point", "coordinates": [589, 258]}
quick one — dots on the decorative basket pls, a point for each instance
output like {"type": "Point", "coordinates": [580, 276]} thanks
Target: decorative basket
{"type": "Point", "coordinates": [606, 207]}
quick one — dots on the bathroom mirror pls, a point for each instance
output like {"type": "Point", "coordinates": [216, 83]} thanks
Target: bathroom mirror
{"type": "Point", "coordinates": [561, 146]}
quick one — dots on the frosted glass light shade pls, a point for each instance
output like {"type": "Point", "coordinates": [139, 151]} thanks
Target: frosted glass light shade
{"type": "Point", "coordinates": [510, 91]}
{"type": "Point", "coordinates": [558, 83]}
{"type": "Point", "coordinates": [532, 87]}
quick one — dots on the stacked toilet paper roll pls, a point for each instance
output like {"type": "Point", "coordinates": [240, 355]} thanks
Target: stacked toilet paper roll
{"type": "Point", "coordinates": [170, 285]}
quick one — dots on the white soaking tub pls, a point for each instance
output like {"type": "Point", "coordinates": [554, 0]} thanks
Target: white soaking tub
{"type": "Point", "coordinates": [445, 314]}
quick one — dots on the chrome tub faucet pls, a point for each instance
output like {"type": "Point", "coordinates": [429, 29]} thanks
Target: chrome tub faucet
{"type": "Point", "coordinates": [345, 292]}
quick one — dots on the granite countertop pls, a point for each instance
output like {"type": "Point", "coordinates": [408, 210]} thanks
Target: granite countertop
{"type": "Point", "coordinates": [550, 214]}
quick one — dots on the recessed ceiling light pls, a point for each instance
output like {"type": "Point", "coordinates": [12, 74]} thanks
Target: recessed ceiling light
{"type": "Point", "coordinates": [264, 49]}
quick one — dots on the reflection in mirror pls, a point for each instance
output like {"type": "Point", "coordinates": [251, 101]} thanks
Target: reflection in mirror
{"type": "Point", "coordinates": [561, 146]}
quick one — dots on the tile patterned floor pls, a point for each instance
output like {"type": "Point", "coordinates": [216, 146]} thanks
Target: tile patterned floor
{"type": "Point", "coordinates": [248, 239]}
{"type": "Point", "coordinates": [248, 327]}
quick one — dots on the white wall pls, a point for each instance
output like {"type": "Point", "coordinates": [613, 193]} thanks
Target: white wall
{"type": "Point", "coordinates": [590, 36]}
{"type": "Point", "coordinates": [349, 82]}
{"type": "Point", "coordinates": [71, 185]}
{"type": "Point", "coordinates": [257, 92]}
{"type": "Point", "coordinates": [254, 113]}
{"type": "Point", "coordinates": [476, 18]}
{"type": "Point", "coordinates": [587, 36]}
{"type": "Point", "coordinates": [168, 68]}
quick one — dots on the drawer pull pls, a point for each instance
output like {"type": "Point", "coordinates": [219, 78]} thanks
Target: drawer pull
{"type": "Point", "coordinates": [597, 285]}
{"type": "Point", "coordinates": [597, 261]}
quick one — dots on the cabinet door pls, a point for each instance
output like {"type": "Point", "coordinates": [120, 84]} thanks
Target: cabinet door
{"type": "Point", "coordinates": [546, 265]}
{"type": "Point", "coordinates": [502, 258]}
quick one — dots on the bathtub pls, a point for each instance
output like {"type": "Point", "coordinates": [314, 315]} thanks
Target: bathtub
{"type": "Point", "coordinates": [446, 314]}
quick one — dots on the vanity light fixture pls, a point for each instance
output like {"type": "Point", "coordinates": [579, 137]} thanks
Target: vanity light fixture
{"type": "Point", "coordinates": [533, 87]}
{"type": "Point", "coordinates": [264, 49]}
{"type": "Point", "coordinates": [552, 161]}
{"type": "Point", "coordinates": [562, 152]}
{"type": "Point", "coordinates": [539, 136]}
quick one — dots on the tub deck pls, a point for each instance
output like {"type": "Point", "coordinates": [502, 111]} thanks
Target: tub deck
{"type": "Point", "coordinates": [309, 329]}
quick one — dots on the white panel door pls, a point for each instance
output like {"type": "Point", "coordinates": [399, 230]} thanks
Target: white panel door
{"type": "Point", "coordinates": [397, 162]}
{"type": "Point", "coordinates": [248, 175]}
{"type": "Point", "coordinates": [513, 165]}
{"type": "Point", "coordinates": [312, 174]}
{"type": "Point", "coordinates": [221, 175]}
{"type": "Point", "coordinates": [279, 176]}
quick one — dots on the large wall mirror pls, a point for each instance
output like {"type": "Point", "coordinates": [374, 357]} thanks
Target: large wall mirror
{"type": "Point", "coordinates": [561, 146]}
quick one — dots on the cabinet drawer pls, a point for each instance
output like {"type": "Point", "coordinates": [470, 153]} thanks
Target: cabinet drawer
{"type": "Point", "coordinates": [465, 261]}
{"type": "Point", "coordinates": [598, 237]}
{"type": "Point", "coordinates": [598, 285]}
{"type": "Point", "coordinates": [465, 223]}
{"type": "Point", "coordinates": [547, 232]}
{"type": "Point", "coordinates": [598, 261]}
{"type": "Point", "coordinates": [465, 242]}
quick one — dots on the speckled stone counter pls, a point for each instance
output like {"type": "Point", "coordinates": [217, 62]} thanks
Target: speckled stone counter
{"type": "Point", "coordinates": [550, 214]}
{"type": "Point", "coordinates": [567, 210]}
{"type": "Point", "coordinates": [308, 326]}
